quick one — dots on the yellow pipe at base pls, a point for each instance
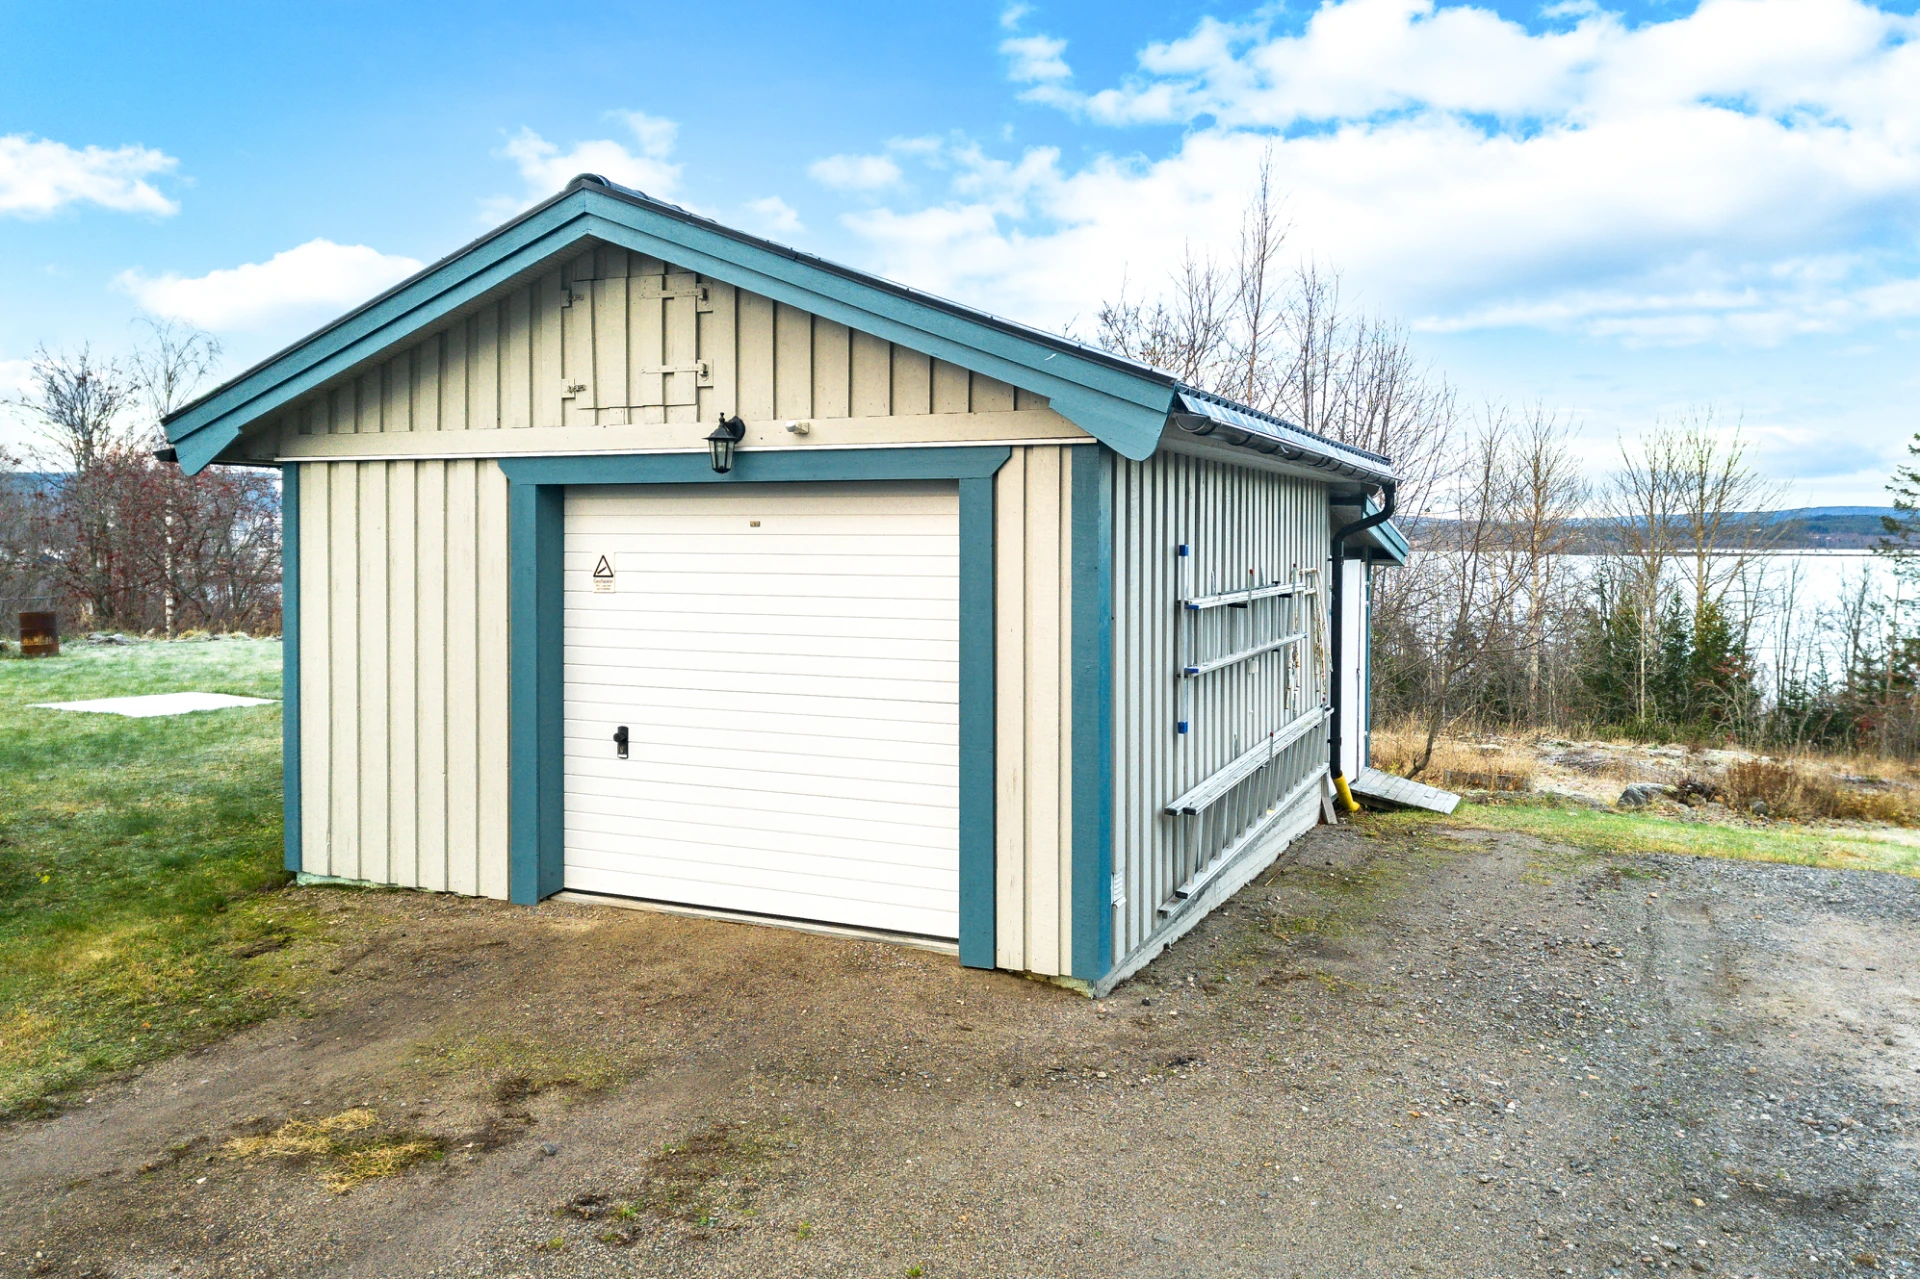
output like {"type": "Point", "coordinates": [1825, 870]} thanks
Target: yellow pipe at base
{"type": "Point", "coordinates": [1347, 802]}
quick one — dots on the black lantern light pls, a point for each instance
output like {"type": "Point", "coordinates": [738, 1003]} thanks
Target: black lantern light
{"type": "Point", "coordinates": [720, 444]}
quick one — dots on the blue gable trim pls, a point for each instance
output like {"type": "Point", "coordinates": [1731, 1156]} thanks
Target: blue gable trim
{"type": "Point", "coordinates": [1122, 404]}
{"type": "Point", "coordinates": [535, 534]}
{"type": "Point", "coordinates": [209, 424]}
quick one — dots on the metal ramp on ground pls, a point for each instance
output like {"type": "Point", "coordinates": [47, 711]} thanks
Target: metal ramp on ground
{"type": "Point", "coordinates": [1385, 788]}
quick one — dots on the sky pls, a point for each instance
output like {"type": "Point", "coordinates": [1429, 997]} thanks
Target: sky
{"type": "Point", "coordinates": [1622, 214]}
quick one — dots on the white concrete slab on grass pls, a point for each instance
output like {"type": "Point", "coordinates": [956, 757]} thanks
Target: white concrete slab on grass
{"type": "Point", "coordinates": [156, 704]}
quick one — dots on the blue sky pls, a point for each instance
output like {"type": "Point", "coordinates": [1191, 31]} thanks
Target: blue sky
{"type": "Point", "coordinates": [1619, 213]}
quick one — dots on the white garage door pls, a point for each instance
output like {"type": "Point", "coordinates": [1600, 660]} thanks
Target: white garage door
{"type": "Point", "coordinates": [785, 659]}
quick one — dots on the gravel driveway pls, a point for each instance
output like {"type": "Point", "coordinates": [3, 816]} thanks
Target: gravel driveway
{"type": "Point", "coordinates": [1401, 1052]}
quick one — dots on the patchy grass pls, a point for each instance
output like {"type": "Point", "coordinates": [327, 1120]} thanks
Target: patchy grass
{"type": "Point", "coordinates": [298, 1137]}
{"type": "Point", "coordinates": [1629, 833]}
{"type": "Point", "coordinates": [342, 1146]}
{"type": "Point", "coordinates": [515, 1067]}
{"type": "Point", "coordinates": [139, 863]}
{"type": "Point", "coordinates": [708, 1174]}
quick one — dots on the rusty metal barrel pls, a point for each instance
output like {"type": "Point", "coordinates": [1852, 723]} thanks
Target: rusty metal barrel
{"type": "Point", "coordinates": [39, 635]}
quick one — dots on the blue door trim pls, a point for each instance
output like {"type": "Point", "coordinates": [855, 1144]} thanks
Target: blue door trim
{"type": "Point", "coordinates": [290, 664]}
{"type": "Point", "coordinates": [535, 533]}
{"type": "Point", "coordinates": [1092, 647]}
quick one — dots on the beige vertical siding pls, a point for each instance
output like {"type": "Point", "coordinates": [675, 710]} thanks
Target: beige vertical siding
{"type": "Point", "coordinates": [403, 676]}
{"type": "Point", "coordinates": [614, 338]}
{"type": "Point", "coordinates": [1033, 715]}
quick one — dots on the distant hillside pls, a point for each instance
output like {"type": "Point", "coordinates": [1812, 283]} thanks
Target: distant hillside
{"type": "Point", "coordinates": [1806, 528]}
{"type": "Point", "coordinates": [1834, 526]}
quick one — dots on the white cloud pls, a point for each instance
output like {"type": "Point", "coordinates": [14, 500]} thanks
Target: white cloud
{"type": "Point", "coordinates": [39, 177]}
{"type": "Point", "coordinates": [1667, 182]}
{"type": "Point", "coordinates": [308, 284]}
{"type": "Point", "coordinates": [1036, 59]}
{"type": "Point", "coordinates": [775, 215]}
{"type": "Point", "coordinates": [855, 172]}
{"type": "Point", "coordinates": [546, 168]}
{"type": "Point", "coordinates": [1011, 15]}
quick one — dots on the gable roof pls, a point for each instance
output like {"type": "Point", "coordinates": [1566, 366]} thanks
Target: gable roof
{"type": "Point", "coordinates": [1124, 404]}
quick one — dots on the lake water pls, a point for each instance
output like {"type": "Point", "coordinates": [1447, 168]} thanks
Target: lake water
{"type": "Point", "coordinates": [1792, 596]}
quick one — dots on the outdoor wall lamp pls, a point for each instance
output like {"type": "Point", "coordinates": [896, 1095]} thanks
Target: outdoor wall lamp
{"type": "Point", "coordinates": [721, 443]}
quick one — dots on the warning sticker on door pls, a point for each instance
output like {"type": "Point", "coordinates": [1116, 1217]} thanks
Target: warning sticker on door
{"type": "Point", "coordinates": [603, 576]}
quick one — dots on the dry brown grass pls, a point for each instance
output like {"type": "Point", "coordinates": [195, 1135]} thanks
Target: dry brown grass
{"type": "Point", "coordinates": [1801, 790]}
{"type": "Point", "coordinates": [348, 1159]}
{"type": "Point", "coordinates": [1804, 786]}
{"type": "Point", "coordinates": [297, 1137]}
{"type": "Point", "coordinates": [1489, 764]}
{"type": "Point", "coordinates": [385, 1159]}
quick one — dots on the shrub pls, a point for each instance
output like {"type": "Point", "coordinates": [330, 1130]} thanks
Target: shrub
{"type": "Point", "coordinates": [1793, 791]}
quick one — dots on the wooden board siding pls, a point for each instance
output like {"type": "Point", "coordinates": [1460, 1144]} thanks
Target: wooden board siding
{"type": "Point", "coordinates": [1033, 638]}
{"type": "Point", "coordinates": [615, 350]}
{"type": "Point", "coordinates": [403, 673]}
{"type": "Point", "coordinates": [404, 684]}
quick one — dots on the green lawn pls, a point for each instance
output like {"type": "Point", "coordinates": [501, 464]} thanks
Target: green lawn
{"type": "Point", "coordinates": [139, 864]}
{"type": "Point", "coordinates": [1612, 831]}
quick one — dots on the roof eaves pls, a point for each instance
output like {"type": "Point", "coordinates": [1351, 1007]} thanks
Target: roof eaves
{"type": "Point", "coordinates": [1385, 538]}
{"type": "Point", "coordinates": [1203, 413]}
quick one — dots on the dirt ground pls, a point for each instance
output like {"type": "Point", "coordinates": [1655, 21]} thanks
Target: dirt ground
{"type": "Point", "coordinates": [1402, 1051]}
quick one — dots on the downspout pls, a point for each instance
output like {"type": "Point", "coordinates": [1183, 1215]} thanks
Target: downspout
{"type": "Point", "coordinates": [1335, 602]}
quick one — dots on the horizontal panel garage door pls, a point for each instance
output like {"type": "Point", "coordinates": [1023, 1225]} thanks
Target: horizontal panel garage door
{"type": "Point", "coordinates": [785, 658]}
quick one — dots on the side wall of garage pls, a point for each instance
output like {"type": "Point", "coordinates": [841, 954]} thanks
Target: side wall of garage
{"type": "Point", "coordinates": [1219, 703]}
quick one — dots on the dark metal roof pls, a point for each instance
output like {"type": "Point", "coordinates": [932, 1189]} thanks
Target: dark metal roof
{"type": "Point", "coordinates": [1207, 414]}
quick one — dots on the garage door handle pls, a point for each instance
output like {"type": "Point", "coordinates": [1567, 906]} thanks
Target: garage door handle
{"type": "Point", "coordinates": [620, 740]}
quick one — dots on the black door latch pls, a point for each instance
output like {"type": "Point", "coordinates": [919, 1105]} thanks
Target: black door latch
{"type": "Point", "coordinates": [620, 740]}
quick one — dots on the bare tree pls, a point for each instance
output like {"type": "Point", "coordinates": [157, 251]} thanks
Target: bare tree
{"type": "Point", "coordinates": [168, 367]}
{"type": "Point", "coordinates": [1724, 507]}
{"type": "Point", "coordinates": [1185, 333]}
{"type": "Point", "coordinates": [1548, 492]}
{"type": "Point", "coordinates": [1285, 343]}
{"type": "Point", "coordinates": [1468, 578]}
{"type": "Point", "coordinates": [170, 364]}
{"type": "Point", "coordinates": [1257, 307]}
{"type": "Point", "coordinates": [22, 575]}
{"type": "Point", "coordinates": [127, 540]}
{"type": "Point", "coordinates": [1641, 504]}
{"type": "Point", "coordinates": [1687, 502]}
{"type": "Point", "coordinates": [78, 402]}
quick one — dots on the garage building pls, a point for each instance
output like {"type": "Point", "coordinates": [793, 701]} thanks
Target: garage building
{"type": "Point", "coordinates": [633, 557]}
